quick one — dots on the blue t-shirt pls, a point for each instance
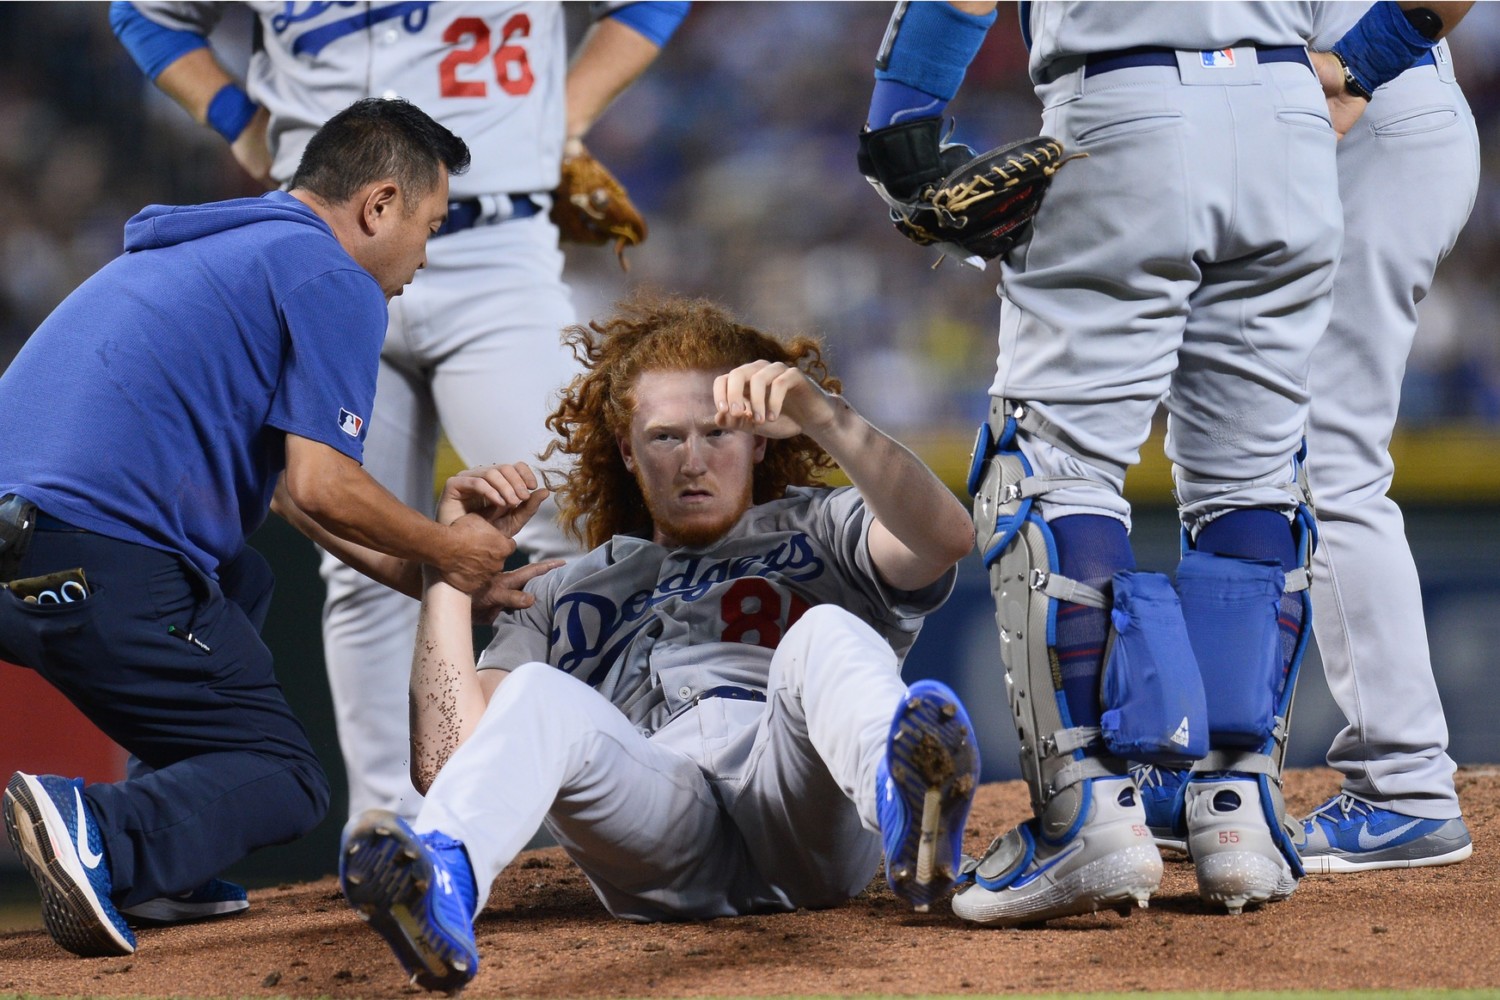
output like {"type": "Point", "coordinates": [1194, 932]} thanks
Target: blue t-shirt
{"type": "Point", "coordinates": [152, 405]}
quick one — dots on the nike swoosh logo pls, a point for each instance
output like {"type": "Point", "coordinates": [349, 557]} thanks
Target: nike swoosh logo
{"type": "Point", "coordinates": [1035, 874]}
{"type": "Point", "coordinates": [90, 858]}
{"type": "Point", "coordinates": [1369, 843]}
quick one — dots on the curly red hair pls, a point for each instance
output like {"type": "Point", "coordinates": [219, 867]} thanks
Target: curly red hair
{"type": "Point", "coordinates": [597, 496]}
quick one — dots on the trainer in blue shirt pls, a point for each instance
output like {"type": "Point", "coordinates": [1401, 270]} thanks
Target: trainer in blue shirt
{"type": "Point", "coordinates": [224, 365]}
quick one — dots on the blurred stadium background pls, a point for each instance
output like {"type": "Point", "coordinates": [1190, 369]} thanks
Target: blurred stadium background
{"type": "Point", "coordinates": [739, 147]}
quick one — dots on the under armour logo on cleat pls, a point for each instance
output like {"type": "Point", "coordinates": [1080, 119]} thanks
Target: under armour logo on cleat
{"type": "Point", "coordinates": [1181, 736]}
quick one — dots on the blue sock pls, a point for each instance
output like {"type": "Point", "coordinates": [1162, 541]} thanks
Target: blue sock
{"type": "Point", "coordinates": [893, 101]}
{"type": "Point", "coordinates": [1091, 548]}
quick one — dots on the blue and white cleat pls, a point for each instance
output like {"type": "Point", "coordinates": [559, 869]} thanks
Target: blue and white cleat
{"type": "Point", "coordinates": [417, 892]}
{"type": "Point", "coordinates": [1162, 791]}
{"type": "Point", "coordinates": [214, 898]}
{"type": "Point", "coordinates": [1346, 834]}
{"type": "Point", "coordinates": [1103, 859]}
{"type": "Point", "coordinates": [50, 828]}
{"type": "Point", "coordinates": [924, 787]}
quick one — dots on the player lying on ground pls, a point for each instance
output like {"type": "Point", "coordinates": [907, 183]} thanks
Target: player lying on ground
{"type": "Point", "coordinates": [706, 710]}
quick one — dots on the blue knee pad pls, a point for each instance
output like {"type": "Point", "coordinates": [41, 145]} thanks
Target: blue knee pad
{"type": "Point", "coordinates": [1152, 689]}
{"type": "Point", "coordinates": [1230, 606]}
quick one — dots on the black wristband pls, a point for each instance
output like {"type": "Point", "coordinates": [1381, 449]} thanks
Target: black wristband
{"type": "Point", "coordinates": [1426, 20]}
{"type": "Point", "coordinates": [1351, 82]}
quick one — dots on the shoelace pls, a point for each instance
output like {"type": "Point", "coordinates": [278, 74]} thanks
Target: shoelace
{"type": "Point", "coordinates": [1146, 775]}
{"type": "Point", "coordinates": [1347, 807]}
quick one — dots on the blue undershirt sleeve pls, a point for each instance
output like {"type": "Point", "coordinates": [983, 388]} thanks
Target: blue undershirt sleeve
{"type": "Point", "coordinates": [152, 46]}
{"type": "Point", "coordinates": [656, 21]}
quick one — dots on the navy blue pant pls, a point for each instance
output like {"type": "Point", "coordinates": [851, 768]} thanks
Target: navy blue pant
{"type": "Point", "coordinates": [227, 766]}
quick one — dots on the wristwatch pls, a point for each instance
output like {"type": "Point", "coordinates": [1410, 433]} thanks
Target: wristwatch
{"type": "Point", "coordinates": [1351, 82]}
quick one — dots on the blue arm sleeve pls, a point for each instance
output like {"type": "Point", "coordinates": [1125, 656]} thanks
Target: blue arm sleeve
{"type": "Point", "coordinates": [929, 46]}
{"type": "Point", "coordinates": [1382, 45]}
{"type": "Point", "coordinates": [657, 20]}
{"type": "Point", "coordinates": [153, 47]}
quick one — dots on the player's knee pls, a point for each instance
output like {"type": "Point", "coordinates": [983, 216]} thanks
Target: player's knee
{"type": "Point", "coordinates": [305, 803]}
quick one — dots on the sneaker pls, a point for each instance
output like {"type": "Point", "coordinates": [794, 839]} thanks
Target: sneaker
{"type": "Point", "coordinates": [1229, 837]}
{"type": "Point", "coordinates": [50, 828]}
{"type": "Point", "coordinates": [924, 787]}
{"type": "Point", "coordinates": [214, 898]}
{"type": "Point", "coordinates": [417, 892]}
{"type": "Point", "coordinates": [1346, 834]}
{"type": "Point", "coordinates": [1161, 791]}
{"type": "Point", "coordinates": [1106, 861]}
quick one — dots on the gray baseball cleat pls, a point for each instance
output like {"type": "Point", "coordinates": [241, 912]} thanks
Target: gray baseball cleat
{"type": "Point", "coordinates": [1229, 837]}
{"type": "Point", "coordinates": [1105, 860]}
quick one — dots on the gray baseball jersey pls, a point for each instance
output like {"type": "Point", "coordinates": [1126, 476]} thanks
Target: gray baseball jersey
{"type": "Point", "coordinates": [1188, 259]}
{"type": "Point", "coordinates": [1369, 625]}
{"type": "Point", "coordinates": [1060, 29]}
{"type": "Point", "coordinates": [653, 629]}
{"type": "Point", "coordinates": [472, 349]}
{"type": "Point", "coordinates": [488, 71]}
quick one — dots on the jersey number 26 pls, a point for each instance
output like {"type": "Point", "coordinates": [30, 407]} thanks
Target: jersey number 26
{"type": "Point", "coordinates": [512, 71]}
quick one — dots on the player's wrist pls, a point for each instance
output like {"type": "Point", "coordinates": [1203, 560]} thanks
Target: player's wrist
{"type": "Point", "coordinates": [230, 111]}
{"type": "Point", "coordinates": [1383, 44]}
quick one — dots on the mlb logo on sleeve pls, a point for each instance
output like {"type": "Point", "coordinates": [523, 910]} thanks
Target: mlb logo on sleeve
{"type": "Point", "coordinates": [1218, 58]}
{"type": "Point", "coordinates": [350, 423]}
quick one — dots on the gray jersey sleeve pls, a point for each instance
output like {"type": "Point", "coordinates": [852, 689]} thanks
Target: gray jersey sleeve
{"type": "Point", "coordinates": [199, 18]}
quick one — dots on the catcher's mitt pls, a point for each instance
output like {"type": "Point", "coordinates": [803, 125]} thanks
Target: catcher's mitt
{"type": "Point", "coordinates": [977, 208]}
{"type": "Point", "coordinates": [591, 207]}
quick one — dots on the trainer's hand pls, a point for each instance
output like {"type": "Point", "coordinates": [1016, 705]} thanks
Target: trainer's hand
{"type": "Point", "coordinates": [477, 552]}
{"type": "Point", "coordinates": [505, 592]}
{"type": "Point", "coordinates": [771, 399]}
{"type": "Point", "coordinates": [1344, 109]}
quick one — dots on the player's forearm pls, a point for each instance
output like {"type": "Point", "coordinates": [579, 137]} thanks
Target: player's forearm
{"type": "Point", "coordinates": [447, 700]}
{"type": "Point", "coordinates": [193, 80]}
{"type": "Point", "coordinates": [609, 60]}
{"type": "Point", "coordinates": [921, 529]}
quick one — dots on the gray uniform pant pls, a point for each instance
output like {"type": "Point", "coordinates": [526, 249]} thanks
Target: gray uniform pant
{"type": "Point", "coordinates": [733, 807]}
{"type": "Point", "coordinates": [1408, 173]}
{"type": "Point", "coordinates": [1188, 259]}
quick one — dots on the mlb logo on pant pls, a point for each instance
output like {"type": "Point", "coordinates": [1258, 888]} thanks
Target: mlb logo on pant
{"type": "Point", "coordinates": [1217, 58]}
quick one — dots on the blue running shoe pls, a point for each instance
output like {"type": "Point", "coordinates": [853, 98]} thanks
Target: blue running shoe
{"type": "Point", "coordinates": [923, 789]}
{"type": "Point", "coordinates": [214, 898]}
{"type": "Point", "coordinates": [1162, 790]}
{"type": "Point", "coordinates": [417, 892]}
{"type": "Point", "coordinates": [50, 828]}
{"type": "Point", "coordinates": [1346, 834]}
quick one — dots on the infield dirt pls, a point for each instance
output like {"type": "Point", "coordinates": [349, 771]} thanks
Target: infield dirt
{"type": "Point", "coordinates": [544, 935]}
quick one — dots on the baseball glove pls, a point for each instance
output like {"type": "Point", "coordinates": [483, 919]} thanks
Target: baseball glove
{"type": "Point", "coordinates": [976, 207]}
{"type": "Point", "coordinates": [591, 207]}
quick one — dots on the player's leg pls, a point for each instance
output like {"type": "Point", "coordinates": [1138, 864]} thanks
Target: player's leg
{"type": "Point", "coordinates": [637, 815]}
{"type": "Point", "coordinates": [845, 759]}
{"type": "Point", "coordinates": [498, 363]}
{"type": "Point", "coordinates": [1089, 326]}
{"type": "Point", "coordinates": [1397, 776]}
{"type": "Point", "coordinates": [1238, 407]}
{"type": "Point", "coordinates": [369, 629]}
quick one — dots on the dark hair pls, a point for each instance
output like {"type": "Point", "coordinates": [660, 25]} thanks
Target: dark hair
{"type": "Point", "coordinates": [377, 139]}
{"type": "Point", "coordinates": [598, 497]}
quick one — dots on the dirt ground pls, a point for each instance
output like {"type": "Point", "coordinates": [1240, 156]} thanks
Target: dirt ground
{"type": "Point", "coordinates": [544, 935]}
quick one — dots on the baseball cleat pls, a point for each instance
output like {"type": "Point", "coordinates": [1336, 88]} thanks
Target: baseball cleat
{"type": "Point", "coordinates": [417, 892]}
{"type": "Point", "coordinates": [214, 898]}
{"type": "Point", "coordinates": [924, 787]}
{"type": "Point", "coordinates": [50, 828]}
{"type": "Point", "coordinates": [1346, 834]}
{"type": "Point", "coordinates": [1229, 837]}
{"type": "Point", "coordinates": [1161, 790]}
{"type": "Point", "coordinates": [1106, 861]}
